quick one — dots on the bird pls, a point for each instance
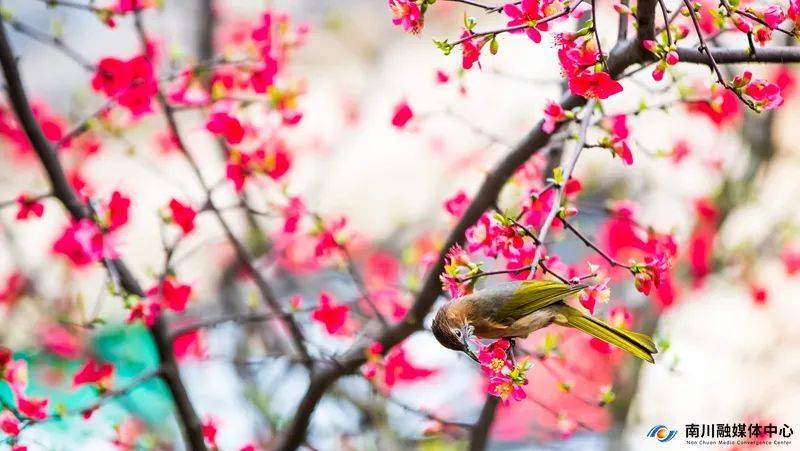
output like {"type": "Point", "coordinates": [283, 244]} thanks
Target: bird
{"type": "Point", "coordinates": [515, 309]}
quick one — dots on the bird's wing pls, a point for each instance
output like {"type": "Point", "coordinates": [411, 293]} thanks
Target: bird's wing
{"type": "Point", "coordinates": [531, 296]}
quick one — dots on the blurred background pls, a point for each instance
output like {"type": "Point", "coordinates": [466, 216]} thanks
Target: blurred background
{"type": "Point", "coordinates": [731, 343]}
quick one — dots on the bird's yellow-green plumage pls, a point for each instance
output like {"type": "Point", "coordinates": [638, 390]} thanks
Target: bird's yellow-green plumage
{"type": "Point", "coordinates": [639, 345]}
{"type": "Point", "coordinates": [514, 310]}
{"type": "Point", "coordinates": [531, 296]}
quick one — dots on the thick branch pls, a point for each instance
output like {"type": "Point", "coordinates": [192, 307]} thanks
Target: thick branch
{"type": "Point", "coordinates": [479, 435]}
{"type": "Point", "coordinates": [63, 191]}
{"type": "Point", "coordinates": [733, 56]}
{"type": "Point", "coordinates": [622, 56]}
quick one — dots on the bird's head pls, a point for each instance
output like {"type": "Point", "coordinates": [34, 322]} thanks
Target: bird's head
{"type": "Point", "coordinates": [451, 332]}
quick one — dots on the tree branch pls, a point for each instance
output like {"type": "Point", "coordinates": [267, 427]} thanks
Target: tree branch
{"type": "Point", "coordinates": [479, 435]}
{"type": "Point", "coordinates": [62, 190]}
{"type": "Point", "coordinates": [733, 56]}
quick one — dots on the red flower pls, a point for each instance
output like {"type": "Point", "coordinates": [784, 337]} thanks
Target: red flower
{"type": "Point", "coordinates": [679, 151]}
{"type": "Point", "coordinates": [146, 310]}
{"type": "Point", "coordinates": [116, 214]}
{"type": "Point", "coordinates": [273, 161]}
{"type": "Point", "coordinates": [329, 314]}
{"type": "Point", "coordinates": [765, 95]}
{"type": "Point", "coordinates": [209, 428]}
{"type": "Point", "coordinates": [189, 345]}
{"type": "Point", "coordinates": [457, 204]}
{"type": "Point", "coordinates": [182, 215]}
{"type": "Point", "coordinates": [131, 83]}
{"type": "Point", "coordinates": [527, 13]}
{"type": "Point", "coordinates": [171, 294]}
{"type": "Point", "coordinates": [494, 358]}
{"type": "Point", "coordinates": [9, 424]}
{"type": "Point", "coordinates": [722, 107]}
{"type": "Point", "coordinates": [221, 123]}
{"type": "Point", "coordinates": [589, 297]}
{"type": "Point", "coordinates": [406, 13]}
{"type": "Point", "coordinates": [60, 341]}
{"type": "Point", "coordinates": [598, 85]}
{"type": "Point", "coordinates": [397, 368]}
{"type": "Point", "coordinates": [125, 6]}
{"type": "Point", "coordinates": [402, 114]}
{"type": "Point", "coordinates": [759, 293]}
{"type": "Point", "coordinates": [82, 243]}
{"type": "Point", "coordinates": [470, 50]}
{"type": "Point", "coordinates": [15, 287]}
{"type": "Point", "coordinates": [29, 206]}
{"type": "Point", "coordinates": [34, 408]}
{"type": "Point", "coordinates": [93, 372]}
{"type": "Point", "coordinates": [790, 256]}
{"type": "Point", "coordinates": [553, 114]}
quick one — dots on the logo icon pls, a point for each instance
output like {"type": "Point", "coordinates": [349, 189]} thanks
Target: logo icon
{"type": "Point", "coordinates": [662, 433]}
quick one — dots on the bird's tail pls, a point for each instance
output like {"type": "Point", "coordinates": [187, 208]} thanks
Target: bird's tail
{"type": "Point", "coordinates": [640, 345]}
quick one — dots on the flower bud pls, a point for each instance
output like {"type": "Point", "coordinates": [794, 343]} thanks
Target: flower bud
{"type": "Point", "coordinates": [672, 58]}
{"type": "Point", "coordinates": [650, 45]}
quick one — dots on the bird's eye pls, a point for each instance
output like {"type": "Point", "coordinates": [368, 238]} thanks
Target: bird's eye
{"type": "Point", "coordinates": [457, 333]}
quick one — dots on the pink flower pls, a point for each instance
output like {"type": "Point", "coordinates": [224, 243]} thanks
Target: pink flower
{"type": "Point", "coordinates": [402, 114]}
{"type": "Point", "coordinates": [60, 341]}
{"type": "Point", "coordinates": [791, 259]}
{"type": "Point", "coordinates": [772, 15]}
{"type": "Point", "coordinates": [189, 345]}
{"type": "Point", "coordinates": [679, 151]}
{"type": "Point", "coordinates": [115, 215]}
{"type": "Point", "coordinates": [328, 238]}
{"type": "Point", "coordinates": [441, 77]}
{"type": "Point", "coordinates": [131, 83]}
{"type": "Point", "coordinates": [331, 315]}
{"type": "Point", "coordinates": [457, 266]}
{"type": "Point", "coordinates": [33, 408]}
{"type": "Point", "coordinates": [653, 272]}
{"type": "Point", "coordinates": [406, 13]}
{"type": "Point", "coordinates": [183, 215]}
{"type": "Point", "coordinates": [722, 107]}
{"type": "Point", "coordinates": [759, 293]}
{"type": "Point", "coordinates": [553, 114]}
{"type": "Point", "coordinates": [598, 85]}
{"type": "Point", "coordinates": [82, 243]}
{"type": "Point", "coordinates": [29, 206]}
{"type": "Point", "coordinates": [470, 50]}
{"type": "Point", "coordinates": [125, 6]}
{"type": "Point", "coordinates": [762, 35]}
{"type": "Point", "coordinates": [617, 127]}
{"type": "Point", "coordinates": [14, 288]}
{"type": "Point", "coordinates": [766, 95]}
{"type": "Point", "coordinates": [527, 13]}
{"type": "Point", "coordinates": [292, 212]}
{"type": "Point", "coordinates": [16, 374]}
{"type": "Point", "coordinates": [494, 358]}
{"type": "Point", "coordinates": [222, 123]}
{"type": "Point", "coordinates": [588, 297]}
{"type": "Point", "coordinates": [793, 13]}
{"type": "Point", "coordinates": [575, 54]}
{"type": "Point", "coordinates": [9, 424]}
{"type": "Point", "coordinates": [457, 204]}
{"type": "Point", "coordinates": [146, 310]}
{"type": "Point", "coordinates": [397, 368]}
{"type": "Point", "coordinates": [509, 383]}
{"type": "Point", "coordinates": [93, 372]}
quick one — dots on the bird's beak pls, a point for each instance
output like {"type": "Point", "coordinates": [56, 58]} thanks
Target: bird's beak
{"type": "Point", "coordinates": [465, 334]}
{"type": "Point", "coordinates": [471, 355]}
